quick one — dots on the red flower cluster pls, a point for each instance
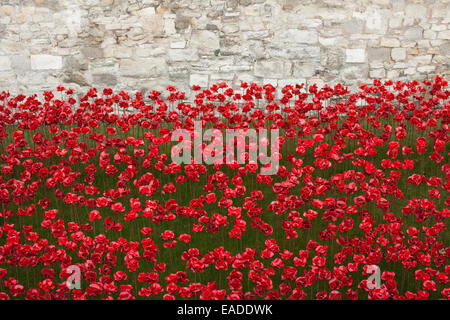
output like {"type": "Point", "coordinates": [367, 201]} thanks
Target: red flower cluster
{"type": "Point", "coordinates": [89, 194]}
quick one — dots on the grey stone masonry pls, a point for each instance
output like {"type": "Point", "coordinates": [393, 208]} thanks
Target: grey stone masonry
{"type": "Point", "coordinates": [148, 44]}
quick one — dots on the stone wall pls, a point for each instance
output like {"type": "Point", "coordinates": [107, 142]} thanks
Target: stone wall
{"type": "Point", "coordinates": [148, 44]}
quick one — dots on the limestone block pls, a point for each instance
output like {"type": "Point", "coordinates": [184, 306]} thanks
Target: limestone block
{"type": "Point", "coordinates": [389, 42]}
{"type": "Point", "coordinates": [183, 55]}
{"type": "Point", "coordinates": [398, 54]}
{"type": "Point", "coordinates": [415, 11]}
{"type": "Point", "coordinates": [297, 36]}
{"type": "Point", "coordinates": [378, 54]}
{"type": "Point", "coordinates": [355, 55]}
{"type": "Point", "coordinates": [45, 62]}
{"type": "Point", "coordinates": [272, 68]}
{"type": "Point", "coordinates": [143, 68]}
{"type": "Point", "coordinates": [206, 42]}
{"type": "Point", "coordinates": [5, 63]}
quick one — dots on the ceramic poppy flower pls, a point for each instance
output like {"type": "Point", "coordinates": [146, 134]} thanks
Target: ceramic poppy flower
{"type": "Point", "coordinates": [354, 179]}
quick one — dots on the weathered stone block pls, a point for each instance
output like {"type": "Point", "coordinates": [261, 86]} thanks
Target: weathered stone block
{"type": "Point", "coordinates": [423, 44]}
{"type": "Point", "coordinates": [333, 59]}
{"type": "Point", "coordinates": [5, 63]}
{"type": "Point", "coordinates": [297, 36]}
{"type": "Point", "coordinates": [234, 68]}
{"type": "Point", "coordinates": [150, 50]}
{"type": "Point", "coordinates": [389, 42]}
{"type": "Point", "coordinates": [444, 49]}
{"type": "Point", "coordinates": [398, 54]}
{"type": "Point", "coordinates": [376, 23]}
{"type": "Point", "coordinates": [76, 77]}
{"type": "Point", "coordinates": [438, 27]}
{"type": "Point", "coordinates": [206, 42]}
{"type": "Point", "coordinates": [45, 62]}
{"type": "Point", "coordinates": [303, 53]}
{"type": "Point", "coordinates": [423, 59]}
{"type": "Point", "coordinates": [415, 11]}
{"type": "Point", "coordinates": [355, 55]}
{"type": "Point", "coordinates": [256, 35]}
{"type": "Point", "coordinates": [426, 69]}
{"type": "Point", "coordinates": [304, 70]}
{"type": "Point", "coordinates": [222, 76]}
{"type": "Point", "coordinates": [92, 52]}
{"type": "Point", "coordinates": [254, 49]}
{"type": "Point", "coordinates": [354, 26]}
{"type": "Point", "coordinates": [149, 11]}
{"type": "Point", "coordinates": [378, 54]}
{"type": "Point", "coordinates": [330, 42]}
{"type": "Point", "coordinates": [104, 79]}
{"type": "Point", "coordinates": [179, 71]}
{"type": "Point", "coordinates": [275, 69]}
{"type": "Point", "coordinates": [444, 35]}
{"type": "Point", "coordinates": [183, 55]}
{"type": "Point", "coordinates": [428, 34]}
{"type": "Point", "coordinates": [181, 44]}
{"type": "Point", "coordinates": [395, 22]}
{"type": "Point", "coordinates": [182, 22]}
{"type": "Point", "coordinates": [377, 73]}
{"type": "Point", "coordinates": [392, 74]}
{"type": "Point", "coordinates": [230, 28]}
{"type": "Point", "coordinates": [410, 71]}
{"type": "Point", "coordinates": [143, 68]}
{"type": "Point", "coordinates": [413, 33]}
{"type": "Point", "coordinates": [153, 25]}
{"type": "Point", "coordinates": [20, 63]}
{"type": "Point", "coordinates": [354, 72]}
{"type": "Point", "coordinates": [123, 52]}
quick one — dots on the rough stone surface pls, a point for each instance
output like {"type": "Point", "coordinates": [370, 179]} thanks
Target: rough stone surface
{"type": "Point", "coordinates": [183, 55]}
{"type": "Point", "coordinates": [5, 63]}
{"type": "Point", "coordinates": [206, 42]}
{"type": "Point", "coordinates": [390, 42]}
{"type": "Point", "coordinates": [398, 54]}
{"type": "Point", "coordinates": [104, 79]}
{"type": "Point", "coordinates": [297, 36]}
{"type": "Point", "coordinates": [379, 54]}
{"type": "Point", "coordinates": [276, 69]}
{"type": "Point", "coordinates": [45, 62]}
{"type": "Point", "coordinates": [413, 33]}
{"type": "Point", "coordinates": [142, 68]}
{"type": "Point", "coordinates": [355, 55]}
{"type": "Point", "coordinates": [135, 44]}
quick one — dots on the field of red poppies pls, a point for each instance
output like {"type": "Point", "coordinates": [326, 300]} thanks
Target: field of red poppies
{"type": "Point", "coordinates": [93, 207]}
